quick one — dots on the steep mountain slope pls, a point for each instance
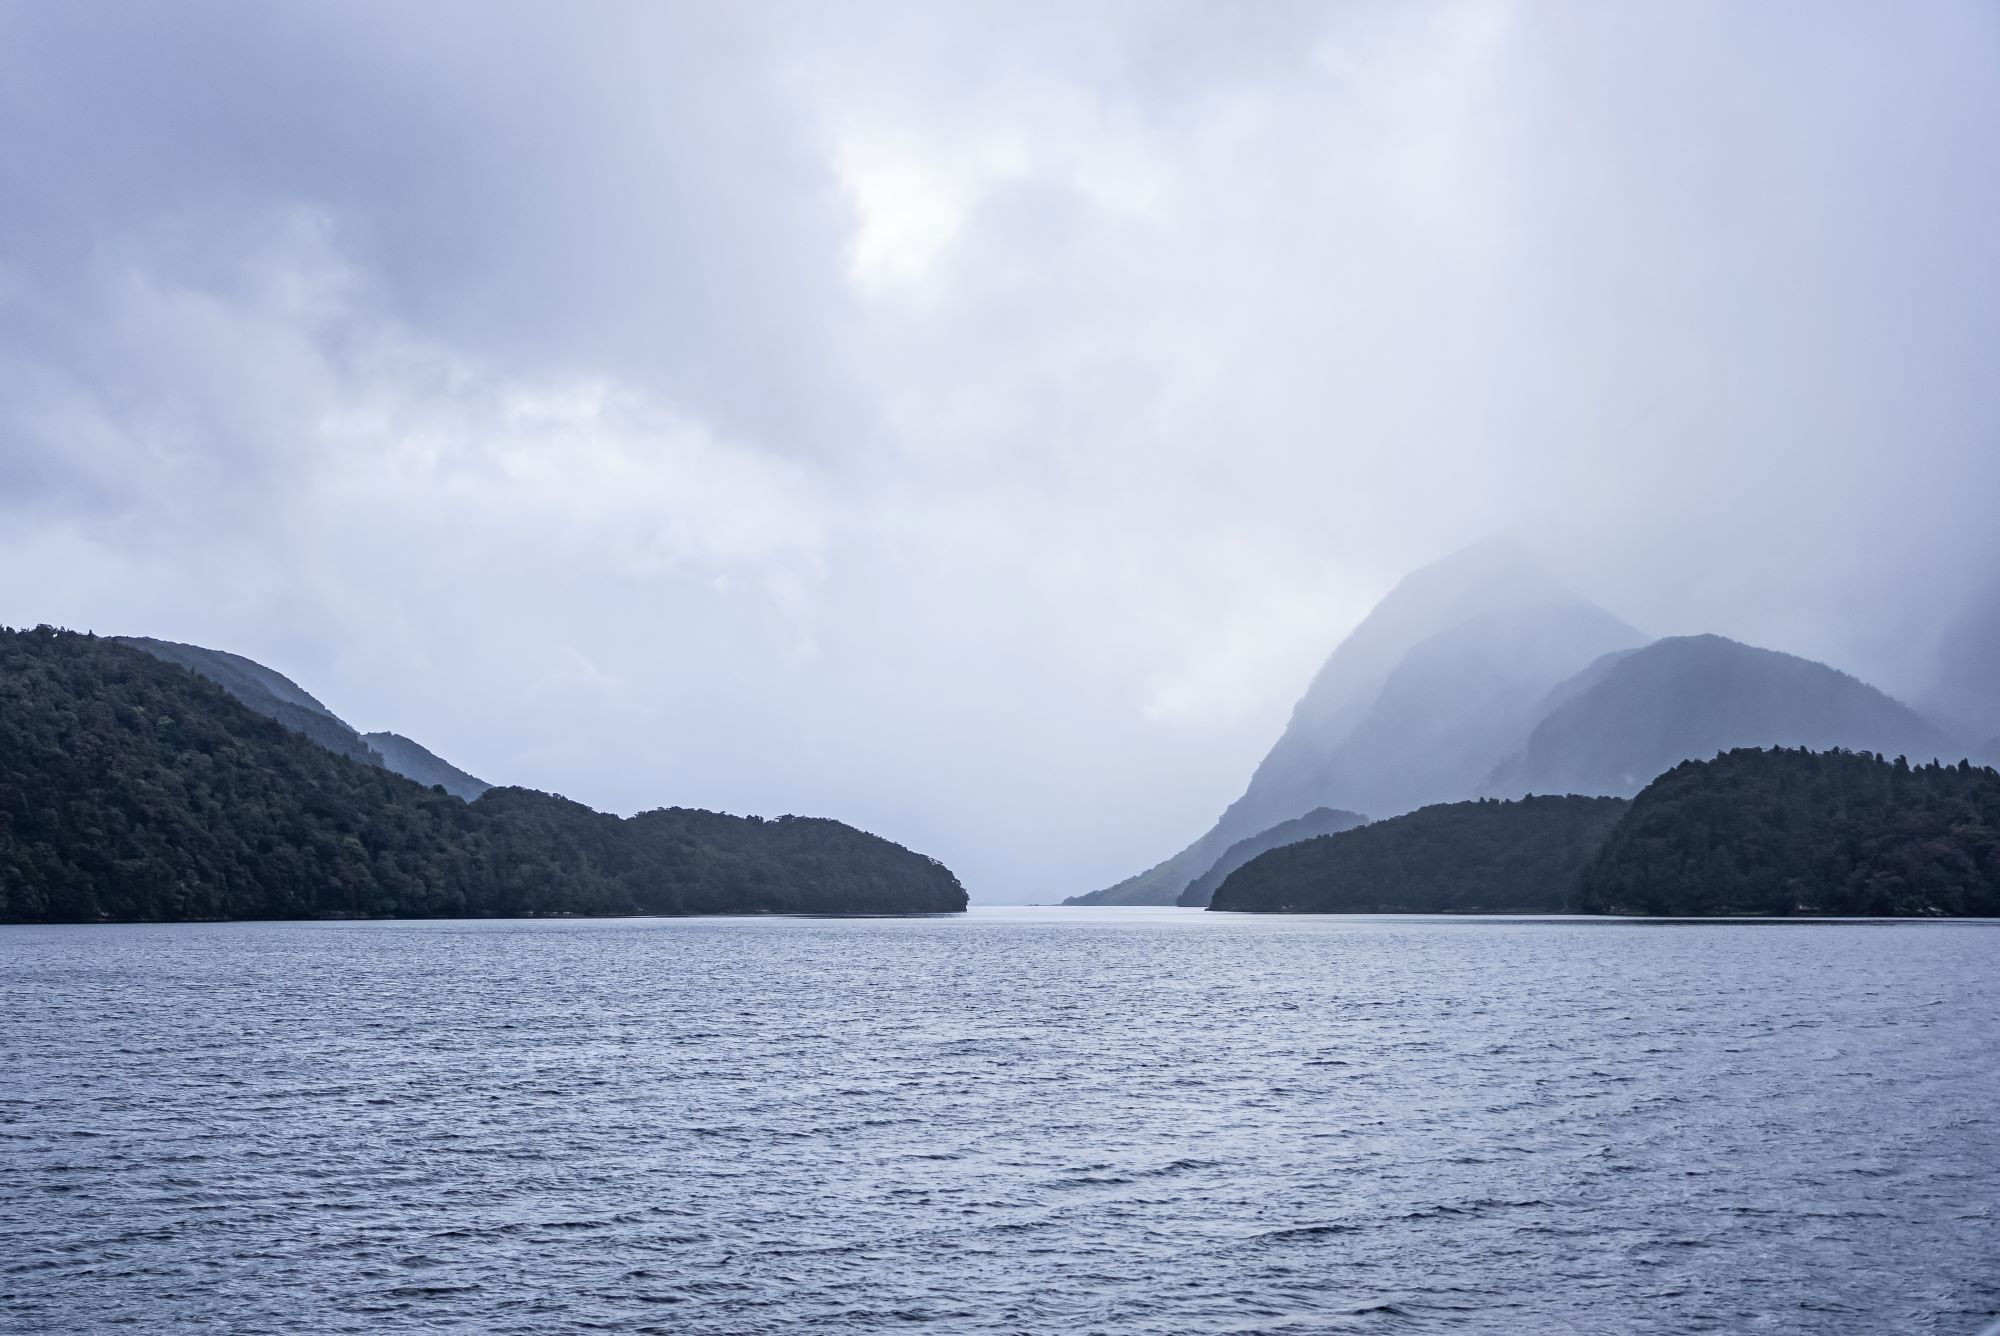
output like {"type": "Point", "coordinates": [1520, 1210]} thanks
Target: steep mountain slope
{"type": "Point", "coordinates": [1471, 857]}
{"type": "Point", "coordinates": [1965, 687]}
{"type": "Point", "coordinates": [130, 789]}
{"type": "Point", "coordinates": [1630, 718]}
{"type": "Point", "coordinates": [275, 696]}
{"type": "Point", "coordinates": [413, 761]}
{"type": "Point", "coordinates": [1319, 821]}
{"type": "Point", "coordinates": [269, 693]}
{"type": "Point", "coordinates": [1433, 688]}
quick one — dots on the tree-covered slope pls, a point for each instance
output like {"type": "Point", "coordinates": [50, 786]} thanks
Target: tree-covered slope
{"type": "Point", "coordinates": [132, 789]}
{"type": "Point", "coordinates": [265, 690]}
{"type": "Point", "coordinates": [272, 694]}
{"type": "Point", "coordinates": [1471, 857]}
{"type": "Point", "coordinates": [1788, 831]}
{"type": "Point", "coordinates": [1319, 821]}
{"type": "Point", "coordinates": [413, 760]}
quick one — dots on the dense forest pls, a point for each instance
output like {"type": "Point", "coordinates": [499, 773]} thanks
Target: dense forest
{"type": "Point", "coordinates": [1800, 832]}
{"type": "Point", "coordinates": [131, 788]}
{"type": "Point", "coordinates": [271, 693]}
{"type": "Point", "coordinates": [268, 693]}
{"type": "Point", "coordinates": [1485, 856]}
{"type": "Point", "coordinates": [1751, 832]}
{"type": "Point", "coordinates": [1319, 821]}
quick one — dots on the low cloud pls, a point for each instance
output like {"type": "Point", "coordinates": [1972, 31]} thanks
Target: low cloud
{"type": "Point", "coordinates": [976, 423]}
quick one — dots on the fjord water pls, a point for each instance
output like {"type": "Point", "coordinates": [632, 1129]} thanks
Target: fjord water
{"type": "Point", "coordinates": [1009, 1121]}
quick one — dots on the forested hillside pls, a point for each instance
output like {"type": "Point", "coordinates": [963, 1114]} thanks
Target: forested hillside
{"type": "Point", "coordinates": [264, 690]}
{"type": "Point", "coordinates": [131, 788]}
{"type": "Point", "coordinates": [1472, 857]}
{"type": "Point", "coordinates": [1752, 832]}
{"type": "Point", "coordinates": [1319, 821]}
{"type": "Point", "coordinates": [1789, 831]}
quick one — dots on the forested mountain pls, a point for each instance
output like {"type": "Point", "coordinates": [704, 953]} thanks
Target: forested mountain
{"type": "Point", "coordinates": [1788, 831]}
{"type": "Point", "coordinates": [1632, 716]}
{"type": "Point", "coordinates": [1319, 821]}
{"type": "Point", "coordinates": [1483, 856]}
{"type": "Point", "coordinates": [276, 696]}
{"type": "Point", "coordinates": [414, 761]}
{"type": "Point", "coordinates": [132, 789]}
{"type": "Point", "coordinates": [1751, 832]}
{"type": "Point", "coordinates": [269, 693]}
{"type": "Point", "coordinates": [1438, 684]}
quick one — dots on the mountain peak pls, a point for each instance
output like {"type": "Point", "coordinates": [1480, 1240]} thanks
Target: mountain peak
{"type": "Point", "coordinates": [1624, 720]}
{"type": "Point", "coordinates": [1417, 704]}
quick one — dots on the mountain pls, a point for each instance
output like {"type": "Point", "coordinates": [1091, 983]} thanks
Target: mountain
{"type": "Point", "coordinates": [1790, 832]}
{"type": "Point", "coordinates": [1751, 832]}
{"type": "Point", "coordinates": [131, 789]}
{"type": "Point", "coordinates": [272, 694]}
{"type": "Point", "coordinates": [413, 761]}
{"type": "Point", "coordinates": [1438, 684]}
{"type": "Point", "coordinates": [1965, 687]}
{"type": "Point", "coordinates": [269, 693]}
{"type": "Point", "coordinates": [1471, 857]}
{"type": "Point", "coordinates": [1319, 821]}
{"type": "Point", "coordinates": [1632, 716]}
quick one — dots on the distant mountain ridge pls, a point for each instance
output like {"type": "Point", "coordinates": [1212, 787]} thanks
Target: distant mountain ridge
{"type": "Point", "coordinates": [415, 761]}
{"type": "Point", "coordinates": [1481, 676]}
{"type": "Point", "coordinates": [1416, 705]}
{"type": "Point", "coordinates": [1631, 717]}
{"type": "Point", "coordinates": [268, 692]}
{"type": "Point", "coordinates": [1965, 682]}
{"type": "Point", "coordinates": [272, 694]}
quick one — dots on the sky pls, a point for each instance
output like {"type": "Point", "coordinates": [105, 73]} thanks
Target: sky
{"type": "Point", "coordinates": [977, 422]}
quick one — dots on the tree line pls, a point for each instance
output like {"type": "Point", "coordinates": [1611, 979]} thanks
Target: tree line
{"type": "Point", "coordinates": [1755, 831]}
{"type": "Point", "coordinates": [133, 789]}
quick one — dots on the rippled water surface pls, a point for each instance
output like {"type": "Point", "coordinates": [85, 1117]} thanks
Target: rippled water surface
{"type": "Point", "coordinates": [1012, 1121]}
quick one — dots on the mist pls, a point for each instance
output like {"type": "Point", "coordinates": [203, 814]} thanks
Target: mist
{"type": "Point", "coordinates": [978, 423]}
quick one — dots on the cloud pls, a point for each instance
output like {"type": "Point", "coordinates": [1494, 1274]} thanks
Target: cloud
{"type": "Point", "coordinates": [975, 422]}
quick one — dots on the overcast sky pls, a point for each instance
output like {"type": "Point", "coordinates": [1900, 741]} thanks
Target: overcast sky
{"type": "Point", "coordinates": [976, 423]}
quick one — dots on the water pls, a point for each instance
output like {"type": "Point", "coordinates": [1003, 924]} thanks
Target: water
{"type": "Point", "coordinates": [1016, 1121]}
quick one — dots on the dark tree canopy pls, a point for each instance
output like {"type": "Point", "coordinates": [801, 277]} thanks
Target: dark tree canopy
{"type": "Point", "coordinates": [1319, 821]}
{"type": "Point", "coordinates": [1752, 832]}
{"type": "Point", "coordinates": [131, 788]}
{"type": "Point", "coordinates": [1471, 857]}
{"type": "Point", "coordinates": [1800, 832]}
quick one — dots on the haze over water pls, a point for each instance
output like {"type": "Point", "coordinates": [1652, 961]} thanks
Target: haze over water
{"type": "Point", "coordinates": [1130, 1120]}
